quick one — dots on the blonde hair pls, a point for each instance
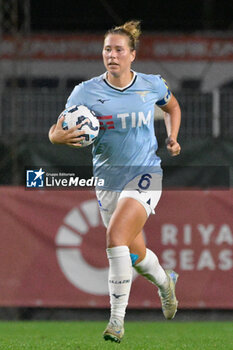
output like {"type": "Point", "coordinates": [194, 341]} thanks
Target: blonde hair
{"type": "Point", "coordinates": [132, 29]}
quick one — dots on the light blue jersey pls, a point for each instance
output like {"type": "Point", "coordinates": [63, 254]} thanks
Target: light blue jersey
{"type": "Point", "coordinates": [126, 145]}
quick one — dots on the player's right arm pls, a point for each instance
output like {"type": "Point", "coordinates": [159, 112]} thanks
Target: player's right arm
{"type": "Point", "coordinates": [71, 137]}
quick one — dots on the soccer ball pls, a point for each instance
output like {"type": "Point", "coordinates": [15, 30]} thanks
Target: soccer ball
{"type": "Point", "coordinates": [75, 115]}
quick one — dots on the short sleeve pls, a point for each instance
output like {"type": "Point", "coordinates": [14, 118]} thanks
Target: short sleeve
{"type": "Point", "coordinates": [164, 94]}
{"type": "Point", "coordinates": [76, 97]}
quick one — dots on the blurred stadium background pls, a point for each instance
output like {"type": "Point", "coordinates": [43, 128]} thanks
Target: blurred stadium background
{"type": "Point", "coordinates": [52, 259]}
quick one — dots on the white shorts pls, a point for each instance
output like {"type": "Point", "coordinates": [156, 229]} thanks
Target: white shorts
{"type": "Point", "coordinates": [146, 189]}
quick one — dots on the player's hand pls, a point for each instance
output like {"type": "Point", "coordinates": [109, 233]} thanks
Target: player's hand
{"type": "Point", "coordinates": [72, 137]}
{"type": "Point", "coordinates": [173, 146]}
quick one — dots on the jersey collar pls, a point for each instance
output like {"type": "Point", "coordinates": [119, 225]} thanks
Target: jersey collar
{"type": "Point", "coordinates": [118, 88]}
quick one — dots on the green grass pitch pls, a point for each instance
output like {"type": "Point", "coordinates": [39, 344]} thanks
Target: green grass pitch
{"type": "Point", "coordinates": [84, 335]}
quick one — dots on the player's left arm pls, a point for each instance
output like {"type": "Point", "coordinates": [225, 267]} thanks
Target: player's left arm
{"type": "Point", "coordinates": [172, 119]}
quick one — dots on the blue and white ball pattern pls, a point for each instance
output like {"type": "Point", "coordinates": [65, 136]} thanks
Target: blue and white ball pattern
{"type": "Point", "coordinates": [81, 114]}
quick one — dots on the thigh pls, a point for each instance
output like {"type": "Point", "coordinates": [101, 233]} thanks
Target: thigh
{"type": "Point", "coordinates": [126, 222]}
{"type": "Point", "coordinates": [146, 189]}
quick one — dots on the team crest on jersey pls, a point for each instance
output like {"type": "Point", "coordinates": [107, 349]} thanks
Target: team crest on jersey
{"type": "Point", "coordinates": [142, 94]}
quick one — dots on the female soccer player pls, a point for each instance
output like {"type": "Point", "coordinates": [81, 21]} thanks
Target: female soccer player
{"type": "Point", "coordinates": [124, 155]}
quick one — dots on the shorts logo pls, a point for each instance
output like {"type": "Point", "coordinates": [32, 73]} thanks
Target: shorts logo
{"type": "Point", "coordinates": [101, 207]}
{"type": "Point", "coordinates": [35, 178]}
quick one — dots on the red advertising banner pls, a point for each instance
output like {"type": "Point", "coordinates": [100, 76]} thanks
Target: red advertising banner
{"type": "Point", "coordinates": [53, 249]}
{"type": "Point", "coordinates": [152, 47]}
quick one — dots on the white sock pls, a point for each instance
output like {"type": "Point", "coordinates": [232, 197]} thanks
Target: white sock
{"type": "Point", "coordinates": [120, 279]}
{"type": "Point", "coordinates": [150, 268]}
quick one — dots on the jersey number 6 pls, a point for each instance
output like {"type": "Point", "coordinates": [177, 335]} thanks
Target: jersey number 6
{"type": "Point", "coordinates": [144, 182]}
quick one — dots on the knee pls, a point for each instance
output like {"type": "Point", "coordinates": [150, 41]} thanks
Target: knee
{"type": "Point", "coordinates": [114, 239]}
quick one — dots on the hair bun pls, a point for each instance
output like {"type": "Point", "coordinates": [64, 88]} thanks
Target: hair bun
{"type": "Point", "coordinates": [131, 28]}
